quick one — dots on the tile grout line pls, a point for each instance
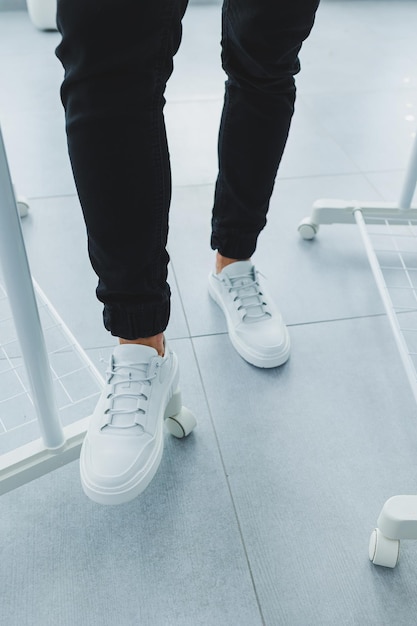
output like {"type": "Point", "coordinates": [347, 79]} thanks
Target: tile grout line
{"type": "Point", "coordinates": [239, 527]}
{"type": "Point", "coordinates": [237, 517]}
{"type": "Point", "coordinates": [225, 333]}
{"type": "Point", "coordinates": [365, 173]}
{"type": "Point", "coordinates": [336, 320]}
{"type": "Point", "coordinates": [222, 461]}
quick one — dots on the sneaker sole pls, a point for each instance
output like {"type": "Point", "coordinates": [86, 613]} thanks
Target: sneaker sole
{"type": "Point", "coordinates": [252, 357]}
{"type": "Point", "coordinates": [133, 487]}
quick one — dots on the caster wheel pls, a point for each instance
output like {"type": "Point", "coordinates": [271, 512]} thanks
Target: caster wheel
{"type": "Point", "coordinates": [22, 203]}
{"type": "Point", "coordinates": [383, 551]}
{"type": "Point", "coordinates": [22, 206]}
{"type": "Point", "coordinates": [42, 13]}
{"type": "Point", "coordinates": [182, 424]}
{"type": "Point", "coordinates": [307, 229]}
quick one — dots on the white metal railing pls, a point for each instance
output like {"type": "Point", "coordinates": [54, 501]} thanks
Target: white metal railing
{"type": "Point", "coordinates": [24, 358]}
{"type": "Point", "coordinates": [389, 235]}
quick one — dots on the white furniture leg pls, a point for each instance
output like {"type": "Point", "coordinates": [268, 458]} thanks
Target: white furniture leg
{"type": "Point", "coordinates": [57, 446]}
{"type": "Point", "coordinates": [398, 518]}
{"type": "Point", "coordinates": [21, 294]}
{"type": "Point", "coordinates": [331, 211]}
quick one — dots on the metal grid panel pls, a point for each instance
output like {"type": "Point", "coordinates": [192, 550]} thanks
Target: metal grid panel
{"type": "Point", "coordinates": [77, 383]}
{"type": "Point", "coordinates": [394, 242]}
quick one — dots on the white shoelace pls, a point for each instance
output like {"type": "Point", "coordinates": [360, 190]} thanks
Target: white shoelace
{"type": "Point", "coordinates": [116, 396]}
{"type": "Point", "coordinates": [249, 299]}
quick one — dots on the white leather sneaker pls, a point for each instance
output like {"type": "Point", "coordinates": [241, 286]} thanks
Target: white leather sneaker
{"type": "Point", "coordinates": [255, 326]}
{"type": "Point", "coordinates": [123, 446]}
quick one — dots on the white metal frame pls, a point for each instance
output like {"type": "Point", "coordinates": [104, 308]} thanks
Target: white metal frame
{"type": "Point", "coordinates": [57, 445]}
{"type": "Point", "coordinates": [398, 517]}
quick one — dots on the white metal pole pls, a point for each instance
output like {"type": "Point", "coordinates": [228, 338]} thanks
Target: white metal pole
{"type": "Point", "coordinates": [386, 299]}
{"type": "Point", "coordinates": [410, 180]}
{"type": "Point", "coordinates": [25, 312]}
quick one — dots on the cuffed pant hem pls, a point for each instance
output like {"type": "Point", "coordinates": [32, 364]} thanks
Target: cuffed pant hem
{"type": "Point", "coordinates": [134, 322]}
{"type": "Point", "coordinates": [234, 245]}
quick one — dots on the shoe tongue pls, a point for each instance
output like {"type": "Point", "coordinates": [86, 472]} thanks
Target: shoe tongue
{"type": "Point", "coordinates": [239, 268]}
{"type": "Point", "coordinates": [242, 276]}
{"type": "Point", "coordinates": [126, 387]}
{"type": "Point", "coordinates": [133, 353]}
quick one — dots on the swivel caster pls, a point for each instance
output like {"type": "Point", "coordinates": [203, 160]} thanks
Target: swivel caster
{"type": "Point", "coordinates": [383, 551]}
{"type": "Point", "coordinates": [178, 420]}
{"type": "Point", "coordinates": [22, 206]}
{"type": "Point", "coordinates": [182, 424]}
{"type": "Point", "coordinates": [307, 228]}
{"type": "Point", "coordinates": [21, 203]}
{"type": "Point", "coordinates": [42, 13]}
{"type": "Point", "coordinates": [397, 521]}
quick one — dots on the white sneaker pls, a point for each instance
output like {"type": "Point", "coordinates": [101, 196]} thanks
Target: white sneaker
{"type": "Point", "coordinates": [123, 446]}
{"type": "Point", "coordinates": [255, 326]}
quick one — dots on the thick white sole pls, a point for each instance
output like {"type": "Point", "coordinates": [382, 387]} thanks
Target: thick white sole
{"type": "Point", "coordinates": [260, 360]}
{"type": "Point", "coordinates": [251, 356]}
{"type": "Point", "coordinates": [133, 487]}
{"type": "Point", "coordinates": [136, 484]}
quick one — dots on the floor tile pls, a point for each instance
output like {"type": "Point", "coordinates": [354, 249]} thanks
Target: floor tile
{"type": "Point", "coordinates": [348, 51]}
{"type": "Point", "coordinates": [263, 515]}
{"type": "Point", "coordinates": [63, 270]}
{"type": "Point", "coordinates": [31, 113]}
{"type": "Point", "coordinates": [321, 154]}
{"type": "Point", "coordinates": [37, 154]}
{"type": "Point", "coordinates": [192, 128]}
{"type": "Point", "coordinates": [324, 279]}
{"type": "Point", "coordinates": [312, 450]}
{"type": "Point", "coordinates": [171, 557]}
{"type": "Point", "coordinates": [375, 131]}
{"type": "Point", "coordinates": [389, 184]}
{"type": "Point", "coordinates": [200, 48]}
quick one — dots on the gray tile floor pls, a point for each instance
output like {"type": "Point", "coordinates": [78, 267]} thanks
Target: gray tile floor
{"type": "Point", "coordinates": [263, 515]}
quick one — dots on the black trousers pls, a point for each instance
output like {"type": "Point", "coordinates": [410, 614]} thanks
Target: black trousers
{"type": "Point", "coordinates": [117, 58]}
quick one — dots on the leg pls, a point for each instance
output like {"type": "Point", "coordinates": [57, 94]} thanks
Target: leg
{"type": "Point", "coordinates": [117, 61]}
{"type": "Point", "coordinates": [261, 41]}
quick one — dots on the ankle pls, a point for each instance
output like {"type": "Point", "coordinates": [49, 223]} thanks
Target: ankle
{"type": "Point", "coordinates": [224, 261]}
{"type": "Point", "coordinates": [156, 341]}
